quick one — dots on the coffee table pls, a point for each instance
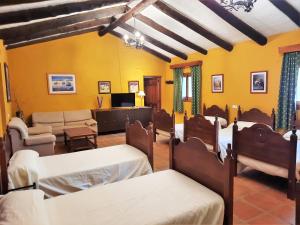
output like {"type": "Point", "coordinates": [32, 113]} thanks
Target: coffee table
{"type": "Point", "coordinates": [80, 138]}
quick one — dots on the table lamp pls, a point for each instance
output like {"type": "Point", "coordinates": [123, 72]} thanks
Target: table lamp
{"type": "Point", "coordinates": [141, 94]}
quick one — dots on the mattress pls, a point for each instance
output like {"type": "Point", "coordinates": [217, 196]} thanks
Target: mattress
{"type": "Point", "coordinates": [66, 173]}
{"type": "Point", "coordinates": [165, 197]}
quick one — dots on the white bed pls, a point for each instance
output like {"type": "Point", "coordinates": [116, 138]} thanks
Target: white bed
{"type": "Point", "coordinates": [166, 197]}
{"type": "Point", "coordinates": [66, 173]}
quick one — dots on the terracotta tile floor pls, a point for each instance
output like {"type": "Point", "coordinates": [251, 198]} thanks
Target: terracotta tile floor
{"type": "Point", "coordinates": [258, 198]}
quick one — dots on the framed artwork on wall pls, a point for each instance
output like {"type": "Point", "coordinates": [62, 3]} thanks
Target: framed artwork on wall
{"type": "Point", "coordinates": [61, 84]}
{"type": "Point", "coordinates": [217, 83]}
{"type": "Point", "coordinates": [133, 86]}
{"type": "Point", "coordinates": [259, 82]}
{"type": "Point", "coordinates": [7, 83]}
{"type": "Point", "coordinates": [104, 87]}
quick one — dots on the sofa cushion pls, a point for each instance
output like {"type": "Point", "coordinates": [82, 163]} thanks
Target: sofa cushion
{"type": "Point", "coordinates": [17, 123]}
{"type": "Point", "coordinates": [79, 115]}
{"type": "Point", "coordinates": [48, 118]}
{"type": "Point", "coordinates": [39, 130]}
{"type": "Point", "coordinates": [58, 130]}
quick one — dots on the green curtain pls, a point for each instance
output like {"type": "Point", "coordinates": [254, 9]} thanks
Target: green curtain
{"type": "Point", "coordinates": [196, 89]}
{"type": "Point", "coordinates": [177, 95]}
{"type": "Point", "coordinates": [287, 91]}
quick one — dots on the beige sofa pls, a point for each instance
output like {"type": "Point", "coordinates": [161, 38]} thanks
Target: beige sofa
{"type": "Point", "coordinates": [38, 138]}
{"type": "Point", "coordinates": [62, 120]}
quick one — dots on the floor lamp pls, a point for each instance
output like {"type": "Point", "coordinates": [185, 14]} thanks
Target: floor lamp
{"type": "Point", "coordinates": [141, 94]}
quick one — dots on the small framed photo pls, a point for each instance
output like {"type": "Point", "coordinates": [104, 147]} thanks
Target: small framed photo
{"type": "Point", "coordinates": [7, 83]}
{"type": "Point", "coordinates": [133, 86]}
{"type": "Point", "coordinates": [104, 87]}
{"type": "Point", "coordinates": [61, 84]}
{"type": "Point", "coordinates": [217, 83]}
{"type": "Point", "coordinates": [259, 82]}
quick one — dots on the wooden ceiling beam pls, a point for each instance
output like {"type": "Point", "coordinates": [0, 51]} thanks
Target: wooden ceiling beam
{"type": "Point", "coordinates": [28, 29]}
{"type": "Point", "coordinates": [54, 10]}
{"type": "Point", "coordinates": [170, 33]}
{"type": "Point", "coordinates": [96, 24]}
{"type": "Point", "coordinates": [156, 42]}
{"type": "Point", "coordinates": [128, 15]}
{"type": "Point", "coordinates": [145, 48]}
{"type": "Point", "coordinates": [288, 10]}
{"type": "Point", "coordinates": [235, 21]}
{"type": "Point", "coordinates": [180, 17]}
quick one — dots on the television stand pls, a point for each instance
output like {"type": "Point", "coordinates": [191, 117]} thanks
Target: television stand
{"type": "Point", "coordinates": [114, 119]}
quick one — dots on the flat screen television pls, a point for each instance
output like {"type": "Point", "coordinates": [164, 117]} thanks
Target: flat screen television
{"type": "Point", "coordinates": [122, 100]}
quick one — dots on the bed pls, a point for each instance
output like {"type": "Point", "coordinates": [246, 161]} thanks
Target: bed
{"type": "Point", "coordinates": [297, 217]}
{"type": "Point", "coordinates": [163, 122]}
{"type": "Point", "coordinates": [197, 190]}
{"type": "Point", "coordinates": [67, 173]}
{"type": "Point", "coordinates": [211, 112]}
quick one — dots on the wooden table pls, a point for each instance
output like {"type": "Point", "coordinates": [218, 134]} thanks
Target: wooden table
{"type": "Point", "coordinates": [80, 138]}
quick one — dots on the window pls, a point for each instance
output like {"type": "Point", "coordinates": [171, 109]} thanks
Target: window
{"type": "Point", "coordinates": [187, 87]}
{"type": "Point", "coordinates": [297, 98]}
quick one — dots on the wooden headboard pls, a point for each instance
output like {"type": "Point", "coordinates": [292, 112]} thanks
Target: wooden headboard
{"type": "Point", "coordinates": [256, 115]}
{"type": "Point", "coordinates": [215, 110]}
{"type": "Point", "coordinates": [163, 121]}
{"type": "Point", "coordinates": [198, 126]}
{"type": "Point", "coordinates": [192, 159]}
{"type": "Point", "coordinates": [141, 138]}
{"type": "Point", "coordinates": [261, 143]}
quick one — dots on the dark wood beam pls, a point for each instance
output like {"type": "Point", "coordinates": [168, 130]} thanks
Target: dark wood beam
{"type": "Point", "coordinates": [54, 10]}
{"type": "Point", "coordinates": [145, 48]}
{"type": "Point", "coordinates": [288, 10]}
{"type": "Point", "coordinates": [28, 29]}
{"type": "Point", "coordinates": [156, 42]}
{"type": "Point", "coordinates": [180, 17]}
{"type": "Point", "coordinates": [96, 24]}
{"type": "Point", "coordinates": [66, 32]}
{"type": "Point", "coordinates": [170, 33]}
{"type": "Point", "coordinates": [235, 22]}
{"type": "Point", "coordinates": [128, 15]}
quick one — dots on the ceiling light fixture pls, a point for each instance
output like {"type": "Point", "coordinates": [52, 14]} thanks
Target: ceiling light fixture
{"type": "Point", "coordinates": [236, 5]}
{"type": "Point", "coordinates": [137, 41]}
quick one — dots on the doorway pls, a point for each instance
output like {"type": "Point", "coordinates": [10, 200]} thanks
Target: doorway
{"type": "Point", "coordinates": [152, 88]}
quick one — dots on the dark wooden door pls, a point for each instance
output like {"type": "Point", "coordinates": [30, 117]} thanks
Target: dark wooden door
{"type": "Point", "coordinates": [152, 88]}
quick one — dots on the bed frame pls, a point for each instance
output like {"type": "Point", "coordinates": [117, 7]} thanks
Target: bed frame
{"type": "Point", "coordinates": [261, 143]}
{"type": "Point", "coordinates": [297, 215]}
{"type": "Point", "coordinates": [215, 110]}
{"type": "Point", "coordinates": [162, 121]}
{"type": "Point", "coordinates": [193, 159]}
{"type": "Point", "coordinates": [199, 127]}
{"type": "Point", "coordinates": [141, 138]}
{"type": "Point", "coordinates": [256, 115]}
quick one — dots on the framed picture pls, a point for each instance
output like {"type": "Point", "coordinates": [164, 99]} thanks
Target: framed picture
{"type": "Point", "coordinates": [259, 82]}
{"type": "Point", "coordinates": [217, 83]}
{"type": "Point", "coordinates": [104, 87]}
{"type": "Point", "coordinates": [61, 83]}
{"type": "Point", "coordinates": [133, 86]}
{"type": "Point", "coordinates": [7, 83]}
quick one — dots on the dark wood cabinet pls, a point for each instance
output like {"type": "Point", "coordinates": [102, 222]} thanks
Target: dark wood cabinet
{"type": "Point", "coordinates": [112, 120]}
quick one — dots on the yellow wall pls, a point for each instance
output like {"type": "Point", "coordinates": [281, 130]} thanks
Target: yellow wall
{"type": "Point", "coordinates": [236, 67]}
{"type": "Point", "coordinates": [90, 58]}
{"type": "Point", "coordinates": [5, 112]}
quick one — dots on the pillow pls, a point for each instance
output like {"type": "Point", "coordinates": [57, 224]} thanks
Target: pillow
{"type": "Point", "coordinates": [23, 168]}
{"type": "Point", "coordinates": [288, 134]}
{"type": "Point", "coordinates": [242, 124]}
{"type": "Point", "coordinates": [23, 208]}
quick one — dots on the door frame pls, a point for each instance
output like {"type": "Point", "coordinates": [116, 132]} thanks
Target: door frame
{"type": "Point", "coordinates": [159, 78]}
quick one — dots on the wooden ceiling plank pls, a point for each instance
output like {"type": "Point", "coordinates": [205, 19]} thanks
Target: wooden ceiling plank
{"type": "Point", "coordinates": [288, 10]}
{"type": "Point", "coordinates": [128, 15]}
{"type": "Point", "coordinates": [156, 42]}
{"type": "Point", "coordinates": [170, 33]}
{"type": "Point", "coordinates": [28, 29]}
{"type": "Point", "coordinates": [180, 17]}
{"type": "Point", "coordinates": [54, 10]}
{"type": "Point", "coordinates": [145, 48]}
{"type": "Point", "coordinates": [235, 21]}
{"type": "Point", "coordinates": [64, 29]}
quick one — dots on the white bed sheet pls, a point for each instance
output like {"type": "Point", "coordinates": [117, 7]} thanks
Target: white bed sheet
{"type": "Point", "coordinates": [166, 197]}
{"type": "Point", "coordinates": [66, 173]}
{"type": "Point", "coordinates": [222, 121]}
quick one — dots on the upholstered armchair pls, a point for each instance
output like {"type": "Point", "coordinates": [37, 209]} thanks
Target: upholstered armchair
{"type": "Point", "coordinates": [39, 138]}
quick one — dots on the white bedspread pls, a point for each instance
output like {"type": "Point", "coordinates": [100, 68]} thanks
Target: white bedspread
{"type": "Point", "coordinates": [62, 174]}
{"type": "Point", "coordinates": [222, 121]}
{"type": "Point", "coordinates": [166, 197]}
